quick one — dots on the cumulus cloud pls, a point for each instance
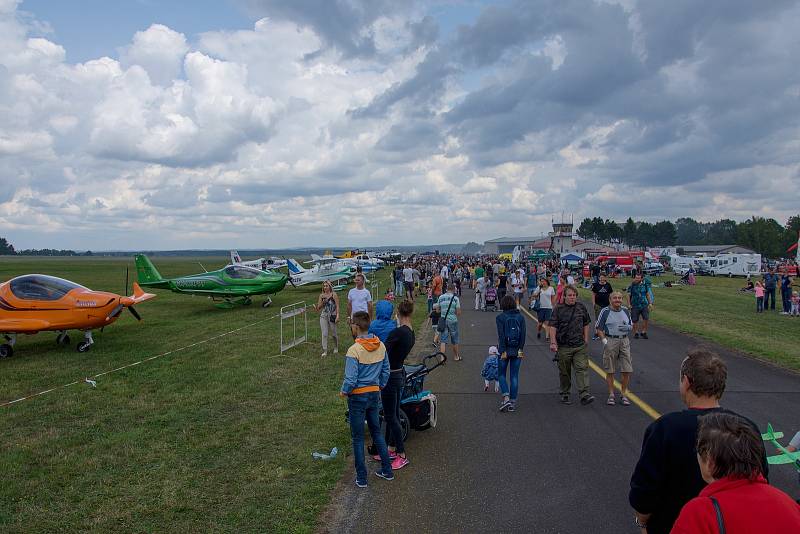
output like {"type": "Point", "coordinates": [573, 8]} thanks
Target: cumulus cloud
{"type": "Point", "coordinates": [159, 51]}
{"type": "Point", "coordinates": [360, 122]}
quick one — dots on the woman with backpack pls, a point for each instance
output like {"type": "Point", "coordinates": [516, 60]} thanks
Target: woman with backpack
{"type": "Point", "coordinates": [510, 342]}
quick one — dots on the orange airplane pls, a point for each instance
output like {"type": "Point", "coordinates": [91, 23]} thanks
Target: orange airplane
{"type": "Point", "coordinates": [35, 302]}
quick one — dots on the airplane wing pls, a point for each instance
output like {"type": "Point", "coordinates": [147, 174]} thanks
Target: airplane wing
{"type": "Point", "coordinates": [779, 459]}
{"type": "Point", "coordinates": [23, 325]}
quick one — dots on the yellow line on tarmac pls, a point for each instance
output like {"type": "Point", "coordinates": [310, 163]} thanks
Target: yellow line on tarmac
{"type": "Point", "coordinates": [646, 408]}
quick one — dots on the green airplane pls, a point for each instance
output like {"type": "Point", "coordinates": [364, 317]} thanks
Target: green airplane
{"type": "Point", "coordinates": [229, 286]}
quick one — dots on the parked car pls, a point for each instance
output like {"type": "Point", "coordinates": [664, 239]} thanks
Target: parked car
{"type": "Point", "coordinates": [653, 268]}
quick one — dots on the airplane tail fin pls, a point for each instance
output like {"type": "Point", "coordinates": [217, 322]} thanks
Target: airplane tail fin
{"type": "Point", "coordinates": [147, 273]}
{"type": "Point", "coordinates": [294, 267]}
{"type": "Point", "coordinates": [235, 258]}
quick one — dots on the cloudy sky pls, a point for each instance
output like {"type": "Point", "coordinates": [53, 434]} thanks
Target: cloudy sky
{"type": "Point", "coordinates": [266, 123]}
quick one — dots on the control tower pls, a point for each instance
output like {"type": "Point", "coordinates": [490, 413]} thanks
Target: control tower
{"type": "Point", "coordinates": [561, 236]}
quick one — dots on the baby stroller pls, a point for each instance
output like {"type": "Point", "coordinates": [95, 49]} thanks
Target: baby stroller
{"type": "Point", "coordinates": [491, 299]}
{"type": "Point", "coordinates": [417, 405]}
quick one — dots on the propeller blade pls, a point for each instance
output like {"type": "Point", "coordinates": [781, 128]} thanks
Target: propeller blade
{"type": "Point", "coordinates": [135, 313]}
{"type": "Point", "coordinates": [290, 281]}
{"type": "Point", "coordinates": [116, 311]}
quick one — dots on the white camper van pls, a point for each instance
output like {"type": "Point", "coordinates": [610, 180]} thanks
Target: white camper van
{"type": "Point", "coordinates": [732, 264]}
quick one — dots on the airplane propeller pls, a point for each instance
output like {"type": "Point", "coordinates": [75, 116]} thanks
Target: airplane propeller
{"type": "Point", "coordinates": [134, 313]}
{"type": "Point", "coordinates": [118, 310]}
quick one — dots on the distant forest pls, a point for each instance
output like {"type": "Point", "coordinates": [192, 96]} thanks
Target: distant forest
{"type": "Point", "coordinates": [766, 236]}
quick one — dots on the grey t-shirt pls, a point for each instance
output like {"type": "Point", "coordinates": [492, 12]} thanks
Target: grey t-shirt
{"type": "Point", "coordinates": [614, 323]}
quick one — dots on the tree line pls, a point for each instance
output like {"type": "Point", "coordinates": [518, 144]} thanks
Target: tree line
{"type": "Point", "coordinates": [766, 236]}
{"type": "Point", "coordinates": [7, 249]}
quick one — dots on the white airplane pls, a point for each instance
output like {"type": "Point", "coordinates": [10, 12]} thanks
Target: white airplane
{"type": "Point", "coordinates": [324, 269]}
{"type": "Point", "coordinates": [367, 262]}
{"type": "Point", "coordinates": [261, 263]}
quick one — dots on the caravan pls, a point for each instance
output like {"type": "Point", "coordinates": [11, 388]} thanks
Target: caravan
{"type": "Point", "coordinates": [732, 264]}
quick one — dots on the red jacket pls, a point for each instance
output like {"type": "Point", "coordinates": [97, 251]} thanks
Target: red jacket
{"type": "Point", "coordinates": [747, 507]}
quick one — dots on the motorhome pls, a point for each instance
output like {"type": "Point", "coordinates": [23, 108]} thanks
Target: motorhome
{"type": "Point", "coordinates": [732, 264]}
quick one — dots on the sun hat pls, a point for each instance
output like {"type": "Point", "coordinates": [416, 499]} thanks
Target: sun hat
{"type": "Point", "coordinates": [493, 350]}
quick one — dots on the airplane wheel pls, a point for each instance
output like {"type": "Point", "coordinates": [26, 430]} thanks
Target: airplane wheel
{"type": "Point", "coordinates": [83, 346]}
{"type": "Point", "coordinates": [266, 303]}
{"type": "Point", "coordinates": [248, 301]}
{"type": "Point", "coordinates": [6, 351]}
{"type": "Point", "coordinates": [63, 340]}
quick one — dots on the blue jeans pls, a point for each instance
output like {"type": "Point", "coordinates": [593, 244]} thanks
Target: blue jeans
{"type": "Point", "coordinates": [769, 296]}
{"type": "Point", "coordinates": [366, 406]}
{"type": "Point", "coordinates": [398, 288]}
{"type": "Point", "coordinates": [513, 364]}
{"type": "Point", "coordinates": [786, 297]}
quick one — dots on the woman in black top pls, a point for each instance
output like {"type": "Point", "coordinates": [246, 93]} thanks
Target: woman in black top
{"type": "Point", "coordinates": [398, 346]}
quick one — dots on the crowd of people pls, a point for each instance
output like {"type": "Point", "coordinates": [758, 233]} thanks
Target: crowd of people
{"type": "Point", "coordinates": [699, 469]}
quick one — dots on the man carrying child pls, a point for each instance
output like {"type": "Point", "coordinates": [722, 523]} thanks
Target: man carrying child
{"type": "Point", "coordinates": [366, 372]}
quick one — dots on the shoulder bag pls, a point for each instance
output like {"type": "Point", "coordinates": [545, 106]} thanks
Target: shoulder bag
{"type": "Point", "coordinates": [441, 326]}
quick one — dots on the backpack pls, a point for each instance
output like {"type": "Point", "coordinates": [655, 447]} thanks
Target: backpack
{"type": "Point", "coordinates": [513, 334]}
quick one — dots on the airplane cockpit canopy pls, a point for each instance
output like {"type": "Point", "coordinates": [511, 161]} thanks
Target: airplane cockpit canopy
{"type": "Point", "coordinates": [41, 287]}
{"type": "Point", "coordinates": [242, 272]}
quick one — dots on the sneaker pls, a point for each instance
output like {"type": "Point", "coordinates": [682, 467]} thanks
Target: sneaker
{"type": "Point", "coordinates": [595, 338]}
{"type": "Point", "coordinates": [324, 354]}
{"type": "Point", "coordinates": [392, 456]}
{"type": "Point", "coordinates": [486, 387]}
{"type": "Point", "coordinates": [512, 408]}
{"type": "Point", "coordinates": [385, 476]}
{"type": "Point", "coordinates": [361, 484]}
{"type": "Point", "coordinates": [505, 405]}
{"type": "Point", "coordinates": [625, 401]}
{"type": "Point", "coordinates": [565, 399]}
{"type": "Point", "coordinates": [336, 350]}
{"type": "Point", "coordinates": [611, 401]}
{"type": "Point", "coordinates": [636, 335]}
{"type": "Point", "coordinates": [435, 344]}
{"type": "Point", "coordinates": [496, 387]}
{"type": "Point", "coordinates": [644, 335]}
{"type": "Point", "coordinates": [588, 399]}
{"type": "Point", "coordinates": [399, 463]}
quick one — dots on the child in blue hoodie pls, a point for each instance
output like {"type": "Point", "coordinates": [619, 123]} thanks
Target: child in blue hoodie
{"type": "Point", "coordinates": [489, 371]}
{"type": "Point", "coordinates": [366, 372]}
{"type": "Point", "coordinates": [383, 323]}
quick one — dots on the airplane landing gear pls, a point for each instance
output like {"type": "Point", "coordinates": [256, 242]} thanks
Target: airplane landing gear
{"type": "Point", "coordinates": [266, 303]}
{"type": "Point", "coordinates": [247, 301]}
{"type": "Point", "coordinates": [63, 338]}
{"type": "Point", "coordinates": [7, 349]}
{"type": "Point", "coordinates": [84, 345]}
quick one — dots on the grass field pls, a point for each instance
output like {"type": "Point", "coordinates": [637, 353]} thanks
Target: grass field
{"type": "Point", "coordinates": [217, 437]}
{"type": "Point", "coordinates": [714, 309]}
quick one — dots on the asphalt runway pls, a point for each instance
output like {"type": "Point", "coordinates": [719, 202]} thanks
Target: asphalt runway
{"type": "Point", "coordinates": [546, 468]}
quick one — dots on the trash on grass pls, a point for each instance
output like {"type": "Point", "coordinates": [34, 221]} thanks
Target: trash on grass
{"type": "Point", "coordinates": [323, 456]}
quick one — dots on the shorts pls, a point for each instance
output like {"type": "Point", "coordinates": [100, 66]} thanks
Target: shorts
{"type": "Point", "coordinates": [643, 312]}
{"type": "Point", "coordinates": [450, 334]}
{"type": "Point", "coordinates": [617, 356]}
{"type": "Point", "coordinates": [543, 314]}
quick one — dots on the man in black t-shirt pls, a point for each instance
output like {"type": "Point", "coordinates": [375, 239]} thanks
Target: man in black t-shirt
{"type": "Point", "coordinates": [601, 291]}
{"type": "Point", "coordinates": [667, 475]}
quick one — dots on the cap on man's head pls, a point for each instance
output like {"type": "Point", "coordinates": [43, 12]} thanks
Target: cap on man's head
{"type": "Point", "coordinates": [493, 350]}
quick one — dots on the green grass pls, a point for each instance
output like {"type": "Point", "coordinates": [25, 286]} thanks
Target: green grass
{"type": "Point", "coordinates": [715, 310]}
{"type": "Point", "coordinates": [214, 438]}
